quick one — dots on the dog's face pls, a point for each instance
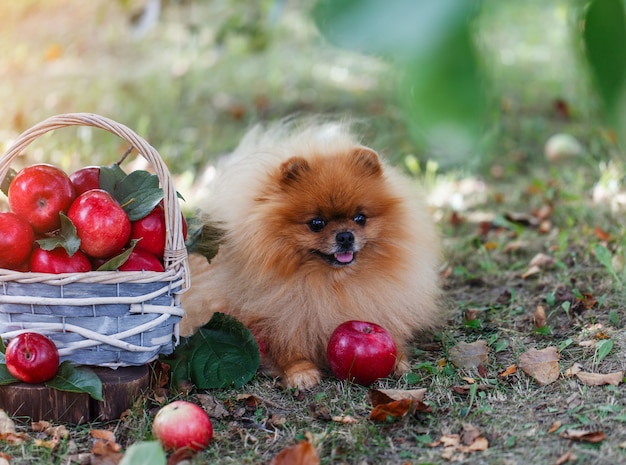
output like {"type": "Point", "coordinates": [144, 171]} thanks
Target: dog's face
{"type": "Point", "coordinates": [327, 211]}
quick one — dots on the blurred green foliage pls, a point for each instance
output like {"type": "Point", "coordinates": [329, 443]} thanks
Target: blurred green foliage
{"type": "Point", "coordinates": [441, 83]}
{"type": "Point", "coordinates": [604, 36]}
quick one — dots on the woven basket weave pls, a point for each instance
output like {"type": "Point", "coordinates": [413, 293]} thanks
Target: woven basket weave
{"type": "Point", "coordinates": [101, 318]}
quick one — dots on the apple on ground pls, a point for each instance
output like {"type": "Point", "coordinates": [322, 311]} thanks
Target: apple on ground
{"type": "Point", "coordinates": [16, 240]}
{"type": "Point", "coordinates": [361, 352]}
{"type": "Point", "coordinates": [101, 223]}
{"type": "Point", "coordinates": [38, 193]}
{"type": "Point", "coordinates": [86, 179]}
{"type": "Point", "coordinates": [182, 424]}
{"type": "Point", "coordinates": [58, 261]}
{"type": "Point", "coordinates": [32, 357]}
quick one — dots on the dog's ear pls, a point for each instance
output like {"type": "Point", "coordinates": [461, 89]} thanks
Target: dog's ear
{"type": "Point", "coordinates": [366, 160]}
{"type": "Point", "coordinates": [292, 169]}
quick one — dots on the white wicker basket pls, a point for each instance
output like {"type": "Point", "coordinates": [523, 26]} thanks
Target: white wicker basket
{"type": "Point", "coordinates": [101, 318]}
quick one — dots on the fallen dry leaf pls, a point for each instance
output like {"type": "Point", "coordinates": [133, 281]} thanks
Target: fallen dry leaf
{"type": "Point", "coordinates": [601, 234]}
{"type": "Point", "coordinates": [7, 431]}
{"type": "Point", "coordinates": [583, 436]}
{"type": "Point", "coordinates": [212, 406]}
{"type": "Point", "coordinates": [539, 317]}
{"type": "Point", "coordinates": [465, 389]}
{"type": "Point", "coordinates": [104, 445]}
{"type": "Point", "coordinates": [541, 365]}
{"type": "Point", "coordinates": [471, 355]}
{"type": "Point", "coordinates": [6, 424]}
{"type": "Point", "coordinates": [594, 379]}
{"type": "Point", "coordinates": [600, 379]}
{"type": "Point", "coordinates": [566, 457]}
{"type": "Point", "coordinates": [555, 426]}
{"type": "Point", "coordinates": [538, 263]}
{"type": "Point", "coordinates": [345, 419]}
{"type": "Point", "coordinates": [541, 260]}
{"type": "Point", "coordinates": [470, 440]}
{"type": "Point", "coordinates": [531, 271]}
{"type": "Point", "coordinates": [302, 453]}
{"type": "Point", "coordinates": [392, 404]}
{"type": "Point", "coordinates": [510, 370]}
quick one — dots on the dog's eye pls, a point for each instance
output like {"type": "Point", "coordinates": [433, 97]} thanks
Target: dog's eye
{"type": "Point", "coordinates": [317, 224]}
{"type": "Point", "coordinates": [359, 219]}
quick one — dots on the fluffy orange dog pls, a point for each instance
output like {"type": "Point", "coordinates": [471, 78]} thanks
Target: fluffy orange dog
{"type": "Point", "coordinates": [318, 231]}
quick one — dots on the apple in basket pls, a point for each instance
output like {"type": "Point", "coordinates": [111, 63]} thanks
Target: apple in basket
{"type": "Point", "coordinates": [101, 223]}
{"type": "Point", "coordinates": [86, 179]}
{"type": "Point", "coordinates": [182, 424]}
{"type": "Point", "coordinates": [32, 357]}
{"type": "Point", "coordinates": [38, 193]}
{"type": "Point", "coordinates": [139, 260]}
{"type": "Point", "coordinates": [16, 240]}
{"type": "Point", "coordinates": [58, 261]}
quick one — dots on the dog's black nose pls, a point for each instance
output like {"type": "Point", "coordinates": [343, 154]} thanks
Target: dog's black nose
{"type": "Point", "coordinates": [345, 239]}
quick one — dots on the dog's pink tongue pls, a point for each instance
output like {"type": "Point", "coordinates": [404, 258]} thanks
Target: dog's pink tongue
{"type": "Point", "coordinates": [344, 257]}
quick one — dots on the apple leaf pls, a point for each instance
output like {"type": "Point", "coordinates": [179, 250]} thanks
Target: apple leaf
{"type": "Point", "coordinates": [5, 376]}
{"type": "Point", "coordinates": [139, 203]}
{"type": "Point", "coordinates": [66, 237]}
{"type": "Point", "coordinates": [144, 453]}
{"type": "Point", "coordinates": [117, 261]}
{"type": "Point", "coordinates": [135, 181]}
{"type": "Point", "coordinates": [79, 379]}
{"type": "Point", "coordinates": [6, 182]}
{"type": "Point", "coordinates": [110, 177]}
{"type": "Point", "coordinates": [3, 348]}
{"type": "Point", "coordinates": [222, 353]}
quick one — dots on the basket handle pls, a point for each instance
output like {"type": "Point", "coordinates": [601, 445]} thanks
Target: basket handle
{"type": "Point", "coordinates": [175, 254]}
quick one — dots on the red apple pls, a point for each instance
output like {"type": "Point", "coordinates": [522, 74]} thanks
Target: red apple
{"type": "Point", "coordinates": [86, 179]}
{"type": "Point", "coordinates": [361, 352]}
{"type": "Point", "coordinates": [139, 260]}
{"type": "Point", "coordinates": [58, 261]}
{"type": "Point", "coordinates": [151, 230]}
{"type": "Point", "coordinates": [32, 358]}
{"type": "Point", "coordinates": [101, 224]}
{"type": "Point", "coordinates": [38, 193]}
{"type": "Point", "coordinates": [182, 424]}
{"type": "Point", "coordinates": [16, 240]}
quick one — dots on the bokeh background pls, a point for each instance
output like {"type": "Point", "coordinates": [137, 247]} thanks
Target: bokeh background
{"type": "Point", "coordinates": [463, 88]}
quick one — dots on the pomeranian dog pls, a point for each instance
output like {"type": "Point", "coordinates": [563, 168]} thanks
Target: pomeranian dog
{"type": "Point", "coordinates": [318, 230]}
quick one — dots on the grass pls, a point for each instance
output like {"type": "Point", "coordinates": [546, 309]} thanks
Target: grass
{"type": "Point", "coordinates": [193, 101]}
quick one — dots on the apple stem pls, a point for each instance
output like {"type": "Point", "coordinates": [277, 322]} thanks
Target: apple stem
{"type": "Point", "coordinates": [121, 160]}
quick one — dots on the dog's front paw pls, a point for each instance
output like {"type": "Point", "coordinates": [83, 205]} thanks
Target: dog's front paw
{"type": "Point", "coordinates": [301, 375]}
{"type": "Point", "coordinates": [402, 366]}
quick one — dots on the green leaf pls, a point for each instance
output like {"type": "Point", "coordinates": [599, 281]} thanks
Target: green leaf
{"type": "Point", "coordinates": [144, 453]}
{"type": "Point", "coordinates": [5, 376]}
{"type": "Point", "coordinates": [3, 348]}
{"type": "Point", "coordinates": [117, 261]}
{"type": "Point", "coordinates": [79, 379]}
{"type": "Point", "coordinates": [222, 353]}
{"type": "Point", "coordinates": [442, 85]}
{"type": "Point", "coordinates": [6, 182]}
{"type": "Point", "coordinates": [66, 237]}
{"type": "Point", "coordinates": [605, 258]}
{"type": "Point", "coordinates": [603, 348]}
{"type": "Point", "coordinates": [604, 36]}
{"type": "Point", "coordinates": [110, 177]}
{"type": "Point", "coordinates": [139, 203]}
{"type": "Point", "coordinates": [134, 182]}
{"type": "Point", "coordinates": [227, 354]}
{"type": "Point", "coordinates": [203, 238]}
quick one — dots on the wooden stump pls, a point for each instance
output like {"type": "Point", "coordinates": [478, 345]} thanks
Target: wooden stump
{"type": "Point", "coordinates": [119, 389]}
